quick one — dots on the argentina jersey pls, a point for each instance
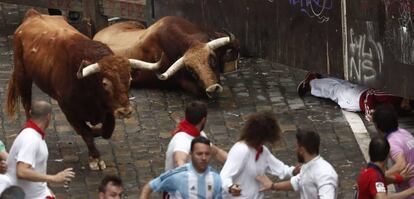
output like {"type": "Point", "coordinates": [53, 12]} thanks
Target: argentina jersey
{"type": "Point", "coordinates": [186, 183]}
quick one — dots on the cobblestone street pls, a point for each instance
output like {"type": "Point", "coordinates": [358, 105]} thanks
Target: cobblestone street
{"type": "Point", "coordinates": [137, 148]}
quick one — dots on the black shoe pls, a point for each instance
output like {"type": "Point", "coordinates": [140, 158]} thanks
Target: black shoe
{"type": "Point", "coordinates": [304, 85]}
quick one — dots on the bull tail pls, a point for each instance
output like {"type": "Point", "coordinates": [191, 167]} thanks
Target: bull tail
{"type": "Point", "coordinates": [13, 92]}
{"type": "Point", "coordinates": [12, 96]}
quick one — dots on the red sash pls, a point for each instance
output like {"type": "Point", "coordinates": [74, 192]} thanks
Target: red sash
{"type": "Point", "coordinates": [32, 125]}
{"type": "Point", "coordinates": [259, 150]}
{"type": "Point", "coordinates": [187, 127]}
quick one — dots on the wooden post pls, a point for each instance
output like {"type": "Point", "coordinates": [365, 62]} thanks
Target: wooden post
{"type": "Point", "coordinates": [92, 13]}
{"type": "Point", "coordinates": [150, 10]}
{"type": "Point", "coordinates": [344, 39]}
{"type": "Point", "coordinates": [72, 5]}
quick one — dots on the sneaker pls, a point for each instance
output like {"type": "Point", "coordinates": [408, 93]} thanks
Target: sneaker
{"type": "Point", "coordinates": [304, 85]}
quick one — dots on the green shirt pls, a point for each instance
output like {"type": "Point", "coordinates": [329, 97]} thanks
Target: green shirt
{"type": "Point", "coordinates": [2, 147]}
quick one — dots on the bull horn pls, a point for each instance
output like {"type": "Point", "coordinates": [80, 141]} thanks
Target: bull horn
{"type": "Point", "coordinates": [231, 35]}
{"type": "Point", "coordinates": [217, 43]}
{"type": "Point", "coordinates": [88, 70]}
{"type": "Point", "coordinates": [172, 69]}
{"type": "Point", "coordinates": [138, 64]}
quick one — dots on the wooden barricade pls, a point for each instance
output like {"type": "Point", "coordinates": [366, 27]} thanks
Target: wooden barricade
{"type": "Point", "coordinates": [95, 13]}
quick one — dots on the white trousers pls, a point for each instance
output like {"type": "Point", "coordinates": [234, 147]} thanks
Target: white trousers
{"type": "Point", "coordinates": [344, 93]}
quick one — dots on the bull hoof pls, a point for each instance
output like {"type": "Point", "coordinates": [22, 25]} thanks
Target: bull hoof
{"type": "Point", "coordinates": [102, 165]}
{"type": "Point", "coordinates": [96, 164]}
{"type": "Point", "coordinates": [93, 164]}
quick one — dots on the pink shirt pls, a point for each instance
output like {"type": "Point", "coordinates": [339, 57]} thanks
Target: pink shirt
{"type": "Point", "coordinates": [402, 142]}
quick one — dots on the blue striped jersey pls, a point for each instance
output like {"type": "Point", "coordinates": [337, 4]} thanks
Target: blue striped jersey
{"type": "Point", "coordinates": [186, 183]}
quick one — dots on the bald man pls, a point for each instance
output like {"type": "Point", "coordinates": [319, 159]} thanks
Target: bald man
{"type": "Point", "coordinates": [27, 161]}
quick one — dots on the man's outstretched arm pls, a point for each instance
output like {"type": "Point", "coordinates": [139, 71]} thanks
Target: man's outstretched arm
{"type": "Point", "coordinates": [399, 165]}
{"type": "Point", "coordinates": [25, 171]}
{"type": "Point", "coordinates": [146, 192]}
{"type": "Point", "coordinates": [180, 158]}
{"type": "Point", "coordinates": [219, 154]}
{"type": "Point", "coordinates": [267, 184]}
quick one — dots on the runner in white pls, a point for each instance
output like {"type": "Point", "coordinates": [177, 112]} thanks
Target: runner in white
{"type": "Point", "coordinates": [192, 126]}
{"type": "Point", "coordinates": [27, 161]}
{"type": "Point", "coordinates": [248, 158]}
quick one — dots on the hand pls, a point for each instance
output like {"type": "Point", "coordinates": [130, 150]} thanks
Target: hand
{"type": "Point", "coordinates": [64, 176]}
{"type": "Point", "coordinates": [235, 190]}
{"type": "Point", "coordinates": [369, 114]}
{"type": "Point", "coordinates": [3, 166]}
{"type": "Point", "coordinates": [410, 190]}
{"type": "Point", "coordinates": [407, 172]}
{"type": "Point", "coordinates": [265, 181]}
{"type": "Point", "coordinates": [296, 170]}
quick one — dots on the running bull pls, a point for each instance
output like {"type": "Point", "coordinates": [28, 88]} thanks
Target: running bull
{"type": "Point", "coordinates": [87, 80]}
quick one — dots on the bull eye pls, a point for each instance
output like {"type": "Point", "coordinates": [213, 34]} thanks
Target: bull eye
{"type": "Point", "coordinates": [212, 62]}
{"type": "Point", "coordinates": [193, 74]}
{"type": "Point", "coordinates": [107, 85]}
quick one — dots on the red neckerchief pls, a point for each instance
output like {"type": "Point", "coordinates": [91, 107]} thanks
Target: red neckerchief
{"type": "Point", "coordinates": [187, 127]}
{"type": "Point", "coordinates": [32, 125]}
{"type": "Point", "coordinates": [259, 150]}
{"type": "Point", "coordinates": [50, 197]}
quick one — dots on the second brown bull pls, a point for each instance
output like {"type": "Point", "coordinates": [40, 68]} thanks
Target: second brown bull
{"type": "Point", "coordinates": [185, 55]}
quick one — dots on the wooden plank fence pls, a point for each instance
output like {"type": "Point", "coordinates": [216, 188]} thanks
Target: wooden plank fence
{"type": "Point", "coordinates": [94, 12]}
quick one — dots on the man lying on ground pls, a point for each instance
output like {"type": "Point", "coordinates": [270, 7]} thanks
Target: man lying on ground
{"type": "Point", "coordinates": [349, 96]}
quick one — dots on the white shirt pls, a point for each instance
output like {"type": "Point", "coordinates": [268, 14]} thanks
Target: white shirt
{"type": "Point", "coordinates": [181, 141]}
{"type": "Point", "coordinates": [241, 168]}
{"type": "Point", "coordinates": [29, 148]}
{"type": "Point", "coordinates": [4, 182]}
{"type": "Point", "coordinates": [317, 180]}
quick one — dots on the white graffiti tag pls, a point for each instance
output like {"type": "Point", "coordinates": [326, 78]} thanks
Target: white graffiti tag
{"type": "Point", "coordinates": [365, 58]}
{"type": "Point", "coordinates": [400, 10]}
{"type": "Point", "coordinates": [399, 28]}
{"type": "Point", "coordinates": [314, 8]}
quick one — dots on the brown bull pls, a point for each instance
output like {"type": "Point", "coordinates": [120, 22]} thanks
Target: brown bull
{"type": "Point", "coordinates": [87, 80]}
{"type": "Point", "coordinates": [176, 43]}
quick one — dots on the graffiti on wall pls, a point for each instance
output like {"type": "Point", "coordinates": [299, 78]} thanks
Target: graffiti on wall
{"type": "Point", "coordinates": [317, 9]}
{"type": "Point", "coordinates": [366, 56]}
{"type": "Point", "coordinates": [401, 11]}
{"type": "Point", "coordinates": [66, 4]}
{"type": "Point", "coordinates": [399, 30]}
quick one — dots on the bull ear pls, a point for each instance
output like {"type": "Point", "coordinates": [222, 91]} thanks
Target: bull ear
{"type": "Point", "coordinates": [86, 68]}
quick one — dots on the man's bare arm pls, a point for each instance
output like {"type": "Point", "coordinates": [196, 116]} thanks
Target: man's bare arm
{"type": "Point", "coordinates": [400, 164]}
{"type": "Point", "coordinates": [267, 184]}
{"type": "Point", "coordinates": [399, 195]}
{"type": "Point", "coordinates": [146, 192]}
{"type": "Point", "coordinates": [219, 154]}
{"type": "Point", "coordinates": [284, 185]}
{"type": "Point", "coordinates": [25, 171]}
{"type": "Point", "coordinates": [180, 158]}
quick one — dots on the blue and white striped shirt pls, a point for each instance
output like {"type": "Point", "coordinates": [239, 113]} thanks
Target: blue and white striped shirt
{"type": "Point", "coordinates": [186, 183]}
